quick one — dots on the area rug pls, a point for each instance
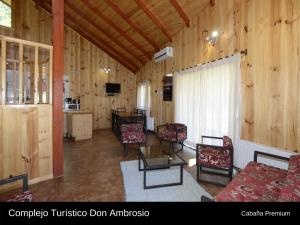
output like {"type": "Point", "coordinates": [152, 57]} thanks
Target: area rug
{"type": "Point", "coordinates": [134, 190]}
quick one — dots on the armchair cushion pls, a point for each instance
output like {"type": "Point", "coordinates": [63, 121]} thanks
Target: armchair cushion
{"type": "Point", "coordinates": [133, 137]}
{"type": "Point", "coordinates": [227, 142]}
{"type": "Point", "coordinates": [169, 131]}
{"type": "Point", "coordinates": [170, 135]}
{"type": "Point", "coordinates": [214, 157]}
{"type": "Point", "coordinates": [132, 133]}
{"type": "Point", "coordinates": [131, 128]}
{"type": "Point", "coordinates": [174, 126]}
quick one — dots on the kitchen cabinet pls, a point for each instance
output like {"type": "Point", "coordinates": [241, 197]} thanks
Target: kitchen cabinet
{"type": "Point", "coordinates": [79, 125]}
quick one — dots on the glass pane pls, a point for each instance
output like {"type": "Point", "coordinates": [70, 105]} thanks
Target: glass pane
{"type": "Point", "coordinates": [28, 74]}
{"type": "Point", "coordinates": [5, 14]}
{"type": "Point", "coordinates": [12, 73]}
{"type": "Point", "coordinates": [44, 68]}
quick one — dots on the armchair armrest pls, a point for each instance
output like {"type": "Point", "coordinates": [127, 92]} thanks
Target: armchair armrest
{"type": "Point", "coordinates": [256, 153]}
{"type": "Point", "coordinates": [12, 179]}
{"type": "Point", "coordinates": [159, 127]}
{"type": "Point", "coordinates": [211, 137]}
{"type": "Point", "coordinates": [209, 146]}
{"type": "Point", "coordinates": [178, 129]}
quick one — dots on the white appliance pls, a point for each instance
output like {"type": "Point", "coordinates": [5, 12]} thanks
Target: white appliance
{"type": "Point", "coordinates": [72, 106]}
{"type": "Point", "coordinates": [150, 123]}
{"type": "Point", "coordinates": [163, 54]}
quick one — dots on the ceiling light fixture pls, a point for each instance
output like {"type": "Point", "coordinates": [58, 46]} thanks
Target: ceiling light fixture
{"type": "Point", "coordinates": [212, 39]}
{"type": "Point", "coordinates": [107, 70]}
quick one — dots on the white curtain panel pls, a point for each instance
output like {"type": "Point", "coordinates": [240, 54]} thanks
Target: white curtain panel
{"type": "Point", "coordinates": [207, 99]}
{"type": "Point", "coordinates": [144, 97]}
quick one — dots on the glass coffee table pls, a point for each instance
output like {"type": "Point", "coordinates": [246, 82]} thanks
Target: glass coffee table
{"type": "Point", "coordinates": [158, 157]}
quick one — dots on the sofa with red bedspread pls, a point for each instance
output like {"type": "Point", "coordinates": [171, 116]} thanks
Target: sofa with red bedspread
{"type": "Point", "coordinates": [258, 182]}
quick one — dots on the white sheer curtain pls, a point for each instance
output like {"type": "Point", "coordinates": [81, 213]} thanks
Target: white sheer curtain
{"type": "Point", "coordinates": [144, 97]}
{"type": "Point", "coordinates": [208, 99]}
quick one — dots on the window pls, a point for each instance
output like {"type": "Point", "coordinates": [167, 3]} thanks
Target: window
{"type": "Point", "coordinates": [5, 13]}
{"type": "Point", "coordinates": [207, 100]}
{"type": "Point", "coordinates": [143, 96]}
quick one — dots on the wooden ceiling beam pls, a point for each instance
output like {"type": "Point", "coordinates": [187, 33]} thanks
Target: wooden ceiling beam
{"type": "Point", "coordinates": [80, 13]}
{"type": "Point", "coordinates": [91, 6]}
{"type": "Point", "coordinates": [75, 27]}
{"type": "Point", "coordinates": [108, 50]}
{"type": "Point", "coordinates": [180, 11]}
{"type": "Point", "coordinates": [121, 13]}
{"type": "Point", "coordinates": [154, 18]}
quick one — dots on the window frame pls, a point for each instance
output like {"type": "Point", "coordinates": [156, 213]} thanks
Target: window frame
{"type": "Point", "coordinates": [11, 16]}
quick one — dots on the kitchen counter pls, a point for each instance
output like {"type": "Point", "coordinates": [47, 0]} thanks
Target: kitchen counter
{"type": "Point", "coordinates": [78, 124]}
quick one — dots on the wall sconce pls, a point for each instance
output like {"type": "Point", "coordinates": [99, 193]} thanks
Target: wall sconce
{"type": "Point", "coordinates": [212, 39]}
{"type": "Point", "coordinates": [107, 70]}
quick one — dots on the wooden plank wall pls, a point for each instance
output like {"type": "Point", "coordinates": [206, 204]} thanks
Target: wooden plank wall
{"type": "Point", "coordinates": [83, 63]}
{"type": "Point", "coordinates": [270, 30]}
{"type": "Point", "coordinates": [26, 141]}
{"type": "Point", "coordinates": [190, 48]}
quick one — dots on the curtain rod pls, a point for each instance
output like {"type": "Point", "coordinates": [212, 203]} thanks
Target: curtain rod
{"type": "Point", "coordinates": [243, 52]}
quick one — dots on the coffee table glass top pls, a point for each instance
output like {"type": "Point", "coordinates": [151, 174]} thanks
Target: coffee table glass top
{"type": "Point", "coordinates": [159, 156]}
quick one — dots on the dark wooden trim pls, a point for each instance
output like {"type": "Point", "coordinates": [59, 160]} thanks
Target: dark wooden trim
{"type": "Point", "coordinates": [92, 7]}
{"type": "Point", "coordinates": [121, 13]}
{"type": "Point", "coordinates": [93, 23]}
{"type": "Point", "coordinates": [58, 73]}
{"type": "Point", "coordinates": [75, 27]}
{"type": "Point", "coordinates": [154, 18]}
{"type": "Point", "coordinates": [180, 11]}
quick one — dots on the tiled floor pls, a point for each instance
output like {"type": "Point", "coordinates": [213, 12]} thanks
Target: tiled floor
{"type": "Point", "coordinates": [92, 171]}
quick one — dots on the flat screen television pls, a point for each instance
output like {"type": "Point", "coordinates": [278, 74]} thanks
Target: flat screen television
{"type": "Point", "coordinates": [112, 88]}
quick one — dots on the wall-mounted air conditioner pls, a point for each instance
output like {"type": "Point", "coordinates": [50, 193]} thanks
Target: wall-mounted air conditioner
{"type": "Point", "coordinates": [163, 54]}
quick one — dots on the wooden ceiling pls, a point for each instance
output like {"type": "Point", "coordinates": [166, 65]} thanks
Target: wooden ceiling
{"type": "Point", "coordinates": [130, 31]}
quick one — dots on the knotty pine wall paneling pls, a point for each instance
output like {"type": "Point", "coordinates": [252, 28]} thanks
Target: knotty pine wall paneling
{"type": "Point", "coordinates": [270, 73]}
{"type": "Point", "coordinates": [83, 63]}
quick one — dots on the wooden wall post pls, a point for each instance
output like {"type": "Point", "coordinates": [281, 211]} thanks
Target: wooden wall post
{"type": "Point", "coordinates": [58, 70]}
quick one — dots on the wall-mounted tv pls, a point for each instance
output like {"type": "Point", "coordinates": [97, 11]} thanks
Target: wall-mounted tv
{"type": "Point", "coordinates": [112, 88]}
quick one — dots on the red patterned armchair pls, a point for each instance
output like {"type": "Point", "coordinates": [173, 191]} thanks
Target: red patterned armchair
{"type": "Point", "coordinates": [25, 196]}
{"type": "Point", "coordinates": [219, 157]}
{"type": "Point", "coordinates": [172, 132]}
{"type": "Point", "coordinates": [133, 134]}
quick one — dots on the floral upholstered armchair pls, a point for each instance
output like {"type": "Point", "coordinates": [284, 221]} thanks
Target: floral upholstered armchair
{"type": "Point", "coordinates": [24, 196]}
{"type": "Point", "coordinates": [173, 133]}
{"type": "Point", "coordinates": [219, 157]}
{"type": "Point", "coordinates": [133, 133]}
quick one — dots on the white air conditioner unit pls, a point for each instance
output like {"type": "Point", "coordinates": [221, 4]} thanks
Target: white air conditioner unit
{"type": "Point", "coordinates": [163, 54]}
